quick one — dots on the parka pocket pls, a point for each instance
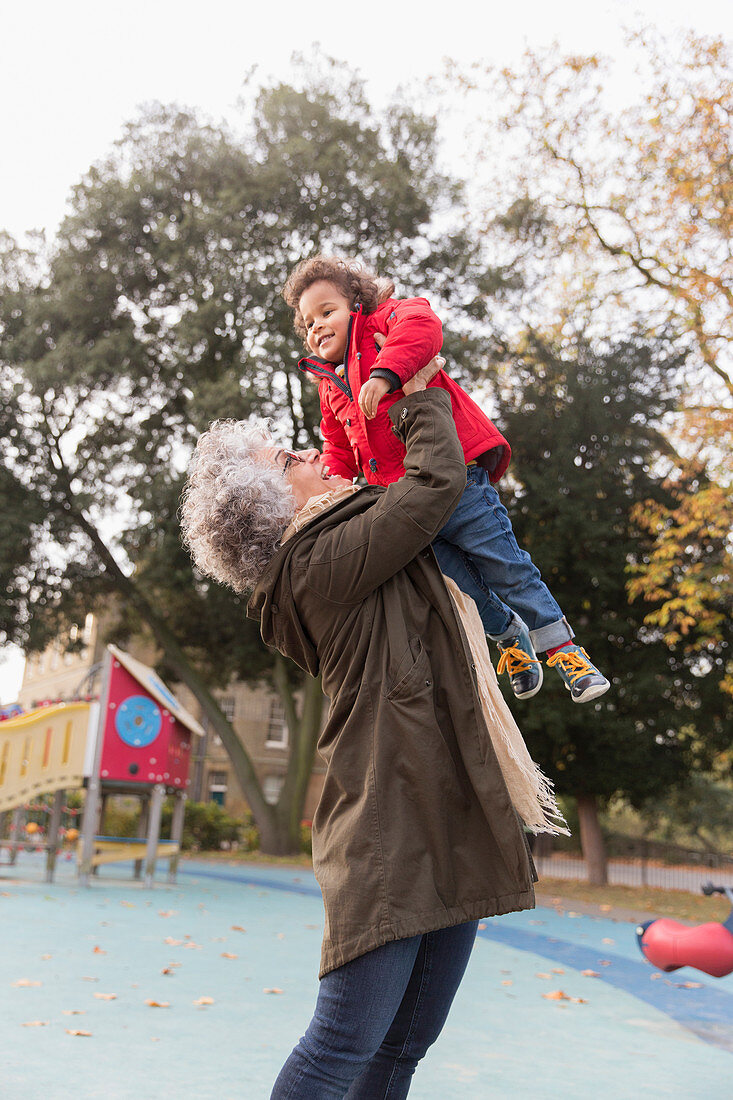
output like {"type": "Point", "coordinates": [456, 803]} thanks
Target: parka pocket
{"type": "Point", "coordinates": [412, 675]}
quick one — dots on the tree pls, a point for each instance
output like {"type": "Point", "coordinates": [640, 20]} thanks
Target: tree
{"type": "Point", "coordinates": [624, 217]}
{"type": "Point", "coordinates": [584, 426]}
{"type": "Point", "coordinates": [156, 310]}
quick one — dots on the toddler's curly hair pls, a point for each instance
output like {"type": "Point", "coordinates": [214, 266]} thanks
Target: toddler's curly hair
{"type": "Point", "coordinates": [355, 281]}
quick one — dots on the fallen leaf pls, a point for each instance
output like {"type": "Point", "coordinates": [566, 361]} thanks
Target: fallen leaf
{"type": "Point", "coordinates": [655, 977]}
{"type": "Point", "coordinates": [90, 979]}
{"type": "Point", "coordinates": [158, 1004]}
{"type": "Point", "coordinates": [171, 942]}
{"type": "Point", "coordinates": [36, 1023]}
{"type": "Point", "coordinates": [106, 996]}
{"type": "Point", "coordinates": [25, 983]}
{"type": "Point", "coordinates": [273, 990]}
{"type": "Point", "coordinates": [77, 1031]}
{"type": "Point", "coordinates": [605, 962]}
{"type": "Point", "coordinates": [689, 985]}
{"type": "Point", "coordinates": [204, 1001]}
{"type": "Point", "coordinates": [73, 1012]}
{"type": "Point", "coordinates": [507, 981]}
{"type": "Point", "coordinates": [481, 927]}
{"type": "Point", "coordinates": [128, 904]}
{"type": "Point", "coordinates": [281, 935]}
{"type": "Point", "coordinates": [590, 973]}
{"type": "Point", "coordinates": [578, 1001]}
{"type": "Point", "coordinates": [605, 908]}
{"type": "Point", "coordinates": [558, 971]}
{"type": "Point", "coordinates": [167, 970]}
{"type": "Point", "coordinates": [167, 913]}
{"type": "Point", "coordinates": [99, 951]}
{"type": "Point", "coordinates": [228, 955]}
{"type": "Point", "coordinates": [607, 940]}
{"type": "Point", "coordinates": [238, 928]}
{"type": "Point", "coordinates": [46, 957]}
{"type": "Point", "coordinates": [540, 975]}
{"type": "Point", "coordinates": [193, 946]}
{"type": "Point", "coordinates": [556, 995]}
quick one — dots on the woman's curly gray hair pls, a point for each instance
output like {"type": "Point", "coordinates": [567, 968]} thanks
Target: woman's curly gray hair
{"type": "Point", "coordinates": [234, 508]}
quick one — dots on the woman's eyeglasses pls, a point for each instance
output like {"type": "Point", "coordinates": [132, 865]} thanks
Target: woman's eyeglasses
{"type": "Point", "coordinates": [290, 458]}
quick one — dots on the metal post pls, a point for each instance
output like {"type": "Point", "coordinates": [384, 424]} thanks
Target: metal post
{"type": "Point", "coordinates": [156, 812]}
{"type": "Point", "coordinates": [53, 834]}
{"type": "Point", "coordinates": [16, 828]}
{"type": "Point", "coordinates": [142, 831]}
{"type": "Point", "coordinates": [94, 782]}
{"type": "Point", "coordinates": [179, 810]}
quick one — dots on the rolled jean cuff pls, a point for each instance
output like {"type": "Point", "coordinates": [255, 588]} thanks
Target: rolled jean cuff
{"type": "Point", "coordinates": [515, 625]}
{"type": "Point", "coordinates": [554, 634]}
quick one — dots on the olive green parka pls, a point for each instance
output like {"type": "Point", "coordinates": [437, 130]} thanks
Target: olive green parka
{"type": "Point", "coordinates": [414, 830]}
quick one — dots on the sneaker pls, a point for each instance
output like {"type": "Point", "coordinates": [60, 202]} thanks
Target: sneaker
{"type": "Point", "coordinates": [580, 676]}
{"type": "Point", "coordinates": [520, 661]}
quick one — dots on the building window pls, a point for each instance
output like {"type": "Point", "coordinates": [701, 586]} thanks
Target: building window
{"type": "Point", "coordinates": [271, 788]}
{"type": "Point", "coordinates": [88, 628]}
{"type": "Point", "coordinates": [217, 787]}
{"type": "Point", "coordinates": [228, 707]}
{"type": "Point", "coordinates": [277, 728]}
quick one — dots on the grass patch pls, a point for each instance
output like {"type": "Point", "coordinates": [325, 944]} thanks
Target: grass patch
{"type": "Point", "coordinates": [297, 859]}
{"type": "Point", "coordinates": [677, 904]}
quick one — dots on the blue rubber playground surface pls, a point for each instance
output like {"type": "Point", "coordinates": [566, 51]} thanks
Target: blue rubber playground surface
{"type": "Point", "coordinates": [231, 951]}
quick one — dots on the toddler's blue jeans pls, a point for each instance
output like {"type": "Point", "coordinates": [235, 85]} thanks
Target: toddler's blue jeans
{"type": "Point", "coordinates": [375, 1018]}
{"type": "Point", "coordinates": [478, 550]}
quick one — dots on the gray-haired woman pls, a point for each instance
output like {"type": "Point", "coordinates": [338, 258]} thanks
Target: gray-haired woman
{"type": "Point", "coordinates": [416, 836]}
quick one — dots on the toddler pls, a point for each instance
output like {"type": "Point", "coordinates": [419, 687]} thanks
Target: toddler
{"type": "Point", "coordinates": [363, 345]}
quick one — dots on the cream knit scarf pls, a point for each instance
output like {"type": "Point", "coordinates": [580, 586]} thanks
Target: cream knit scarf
{"type": "Point", "coordinates": [530, 791]}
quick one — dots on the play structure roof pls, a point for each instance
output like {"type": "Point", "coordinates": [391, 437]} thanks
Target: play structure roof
{"type": "Point", "coordinates": [149, 679]}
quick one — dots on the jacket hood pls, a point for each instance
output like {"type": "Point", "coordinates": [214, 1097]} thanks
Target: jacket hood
{"type": "Point", "coordinates": [274, 589]}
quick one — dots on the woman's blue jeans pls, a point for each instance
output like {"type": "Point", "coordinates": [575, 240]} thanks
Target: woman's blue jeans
{"type": "Point", "coordinates": [477, 549]}
{"type": "Point", "coordinates": [375, 1018]}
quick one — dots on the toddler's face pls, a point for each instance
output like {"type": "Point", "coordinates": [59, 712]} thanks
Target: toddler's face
{"type": "Point", "coordinates": [326, 313]}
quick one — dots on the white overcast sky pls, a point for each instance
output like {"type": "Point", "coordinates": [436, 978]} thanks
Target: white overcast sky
{"type": "Point", "coordinates": [72, 73]}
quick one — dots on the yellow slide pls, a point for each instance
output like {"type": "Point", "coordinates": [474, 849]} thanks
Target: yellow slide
{"type": "Point", "coordinates": [42, 751]}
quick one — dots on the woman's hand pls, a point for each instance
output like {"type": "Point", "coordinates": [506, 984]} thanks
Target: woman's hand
{"type": "Point", "coordinates": [420, 380]}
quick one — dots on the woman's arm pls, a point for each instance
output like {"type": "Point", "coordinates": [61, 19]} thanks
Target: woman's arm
{"type": "Point", "coordinates": [349, 561]}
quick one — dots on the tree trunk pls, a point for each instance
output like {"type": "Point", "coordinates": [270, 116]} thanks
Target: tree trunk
{"type": "Point", "coordinates": [591, 840]}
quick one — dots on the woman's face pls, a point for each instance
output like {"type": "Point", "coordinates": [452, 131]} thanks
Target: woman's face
{"type": "Point", "coordinates": [303, 471]}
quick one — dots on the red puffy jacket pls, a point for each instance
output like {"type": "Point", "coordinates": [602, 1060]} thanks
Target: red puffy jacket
{"type": "Point", "coordinates": [353, 444]}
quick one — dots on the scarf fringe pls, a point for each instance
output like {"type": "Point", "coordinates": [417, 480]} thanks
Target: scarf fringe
{"type": "Point", "coordinates": [530, 790]}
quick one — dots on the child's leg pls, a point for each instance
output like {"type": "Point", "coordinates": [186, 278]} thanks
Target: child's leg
{"type": "Point", "coordinates": [499, 621]}
{"type": "Point", "coordinates": [480, 533]}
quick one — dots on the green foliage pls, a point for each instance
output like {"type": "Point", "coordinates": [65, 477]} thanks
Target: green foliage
{"type": "Point", "coordinates": [156, 310]}
{"type": "Point", "coordinates": [206, 825]}
{"type": "Point", "coordinates": [583, 423]}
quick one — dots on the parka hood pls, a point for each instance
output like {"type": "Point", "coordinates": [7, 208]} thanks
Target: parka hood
{"type": "Point", "coordinates": [274, 591]}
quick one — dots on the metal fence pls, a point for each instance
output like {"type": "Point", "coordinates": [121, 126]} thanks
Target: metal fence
{"type": "Point", "coordinates": [637, 862]}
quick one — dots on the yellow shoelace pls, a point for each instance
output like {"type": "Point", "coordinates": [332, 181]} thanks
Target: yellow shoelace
{"type": "Point", "coordinates": [514, 660]}
{"type": "Point", "coordinates": [572, 663]}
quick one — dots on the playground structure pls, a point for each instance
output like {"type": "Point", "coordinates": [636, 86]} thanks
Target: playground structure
{"type": "Point", "coordinates": [669, 945]}
{"type": "Point", "coordinates": [136, 740]}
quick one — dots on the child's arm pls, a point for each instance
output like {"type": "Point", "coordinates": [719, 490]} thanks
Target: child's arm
{"type": "Point", "coordinates": [414, 337]}
{"type": "Point", "coordinates": [337, 454]}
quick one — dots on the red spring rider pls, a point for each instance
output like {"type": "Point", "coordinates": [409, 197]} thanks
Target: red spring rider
{"type": "Point", "coordinates": [668, 945]}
